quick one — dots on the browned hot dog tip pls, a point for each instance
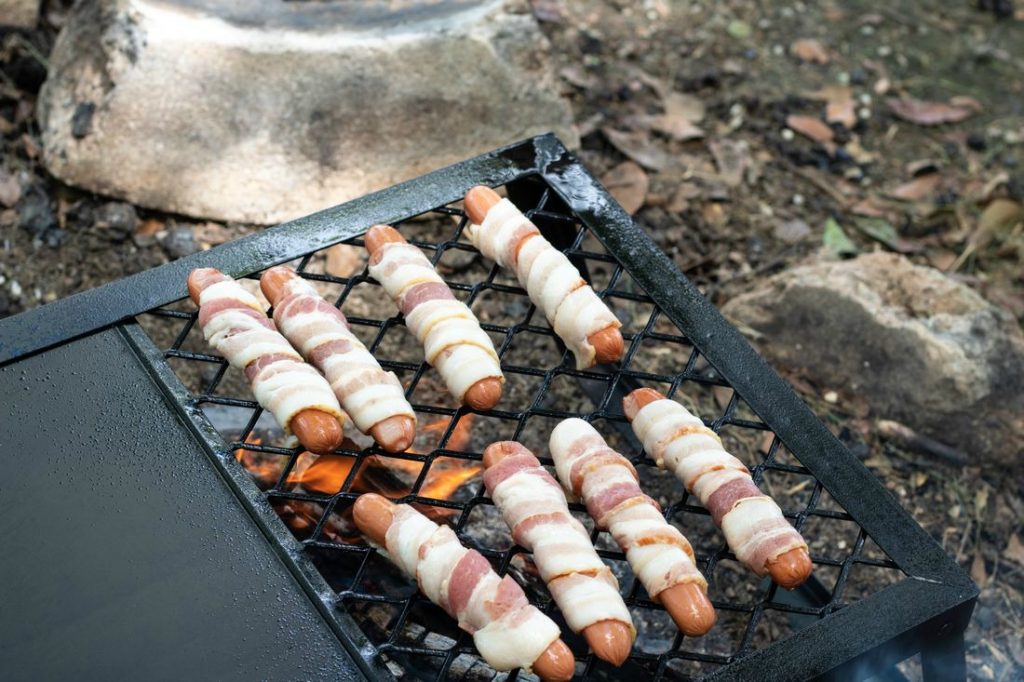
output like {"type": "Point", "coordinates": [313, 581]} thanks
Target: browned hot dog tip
{"type": "Point", "coordinates": [480, 200]}
{"type": "Point", "coordinates": [198, 280]}
{"type": "Point", "coordinates": [273, 281]}
{"type": "Point", "coordinates": [395, 434]}
{"type": "Point", "coordinates": [610, 640]}
{"type": "Point", "coordinates": [373, 515]}
{"type": "Point", "coordinates": [377, 237]}
{"type": "Point", "coordinates": [791, 569]}
{"type": "Point", "coordinates": [484, 394]}
{"type": "Point", "coordinates": [637, 400]}
{"type": "Point", "coordinates": [556, 663]}
{"type": "Point", "coordinates": [608, 345]}
{"type": "Point", "coordinates": [495, 452]}
{"type": "Point", "coordinates": [690, 608]}
{"type": "Point", "coordinates": [318, 431]}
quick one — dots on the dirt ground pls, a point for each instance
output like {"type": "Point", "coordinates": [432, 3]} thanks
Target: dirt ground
{"type": "Point", "coordinates": [708, 122]}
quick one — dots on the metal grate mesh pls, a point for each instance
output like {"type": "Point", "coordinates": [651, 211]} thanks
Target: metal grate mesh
{"type": "Point", "coordinates": [418, 639]}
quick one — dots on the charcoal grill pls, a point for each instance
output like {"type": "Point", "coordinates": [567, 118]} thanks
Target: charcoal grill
{"type": "Point", "coordinates": [882, 591]}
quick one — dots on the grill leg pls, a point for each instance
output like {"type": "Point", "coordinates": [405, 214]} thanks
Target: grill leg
{"type": "Point", "coordinates": [945, 659]}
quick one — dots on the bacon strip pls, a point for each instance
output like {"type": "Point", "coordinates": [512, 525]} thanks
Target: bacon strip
{"type": "Point", "coordinates": [571, 307]}
{"type": "Point", "coordinates": [754, 526]}
{"type": "Point", "coordinates": [451, 336]}
{"type": "Point", "coordinates": [508, 631]}
{"type": "Point", "coordinates": [661, 557]}
{"type": "Point", "coordinates": [321, 333]}
{"type": "Point", "coordinates": [534, 507]}
{"type": "Point", "coordinates": [234, 324]}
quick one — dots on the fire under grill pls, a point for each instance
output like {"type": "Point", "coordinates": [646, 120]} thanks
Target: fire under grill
{"type": "Point", "coordinates": [881, 592]}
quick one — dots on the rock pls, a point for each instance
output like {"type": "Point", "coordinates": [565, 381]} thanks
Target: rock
{"type": "Point", "coordinates": [118, 219]}
{"type": "Point", "coordinates": [263, 111]}
{"type": "Point", "coordinates": [919, 347]}
{"type": "Point", "coordinates": [179, 241]}
{"type": "Point", "coordinates": [19, 13]}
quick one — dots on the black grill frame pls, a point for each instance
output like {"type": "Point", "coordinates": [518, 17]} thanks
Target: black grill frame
{"type": "Point", "coordinates": [927, 612]}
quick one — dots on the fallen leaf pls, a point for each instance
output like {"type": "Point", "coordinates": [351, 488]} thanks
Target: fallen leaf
{"type": "Point", "coordinates": [844, 113]}
{"type": "Point", "coordinates": [882, 231]}
{"type": "Point", "coordinates": [932, 113]}
{"type": "Point", "coordinates": [836, 241]}
{"type": "Point", "coordinates": [809, 50]}
{"type": "Point", "coordinates": [922, 167]}
{"type": "Point", "coordinates": [10, 189]}
{"type": "Point", "coordinates": [739, 29]}
{"type": "Point", "coordinates": [916, 189]}
{"type": "Point", "coordinates": [869, 207]}
{"type": "Point", "coordinates": [343, 260]}
{"type": "Point", "coordinates": [682, 111]}
{"type": "Point", "coordinates": [1014, 550]}
{"type": "Point", "coordinates": [942, 259]}
{"type": "Point", "coordinates": [639, 147]}
{"type": "Point", "coordinates": [966, 102]}
{"type": "Point", "coordinates": [680, 200]}
{"type": "Point", "coordinates": [576, 75]}
{"type": "Point", "coordinates": [1000, 216]}
{"type": "Point", "coordinates": [628, 185]}
{"type": "Point", "coordinates": [811, 127]}
{"type": "Point", "coordinates": [715, 214]}
{"type": "Point", "coordinates": [978, 573]}
{"type": "Point", "coordinates": [791, 231]}
{"type": "Point", "coordinates": [723, 394]}
{"type": "Point", "coordinates": [732, 157]}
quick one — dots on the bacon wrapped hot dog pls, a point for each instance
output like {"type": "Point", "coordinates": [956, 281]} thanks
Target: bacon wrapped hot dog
{"type": "Point", "coordinates": [534, 507]}
{"type": "Point", "coordinates": [508, 631]}
{"type": "Point", "coordinates": [574, 311]}
{"type": "Point", "coordinates": [754, 526]}
{"type": "Point", "coordinates": [451, 336]}
{"type": "Point", "coordinates": [661, 557]}
{"type": "Point", "coordinates": [373, 398]}
{"type": "Point", "coordinates": [234, 323]}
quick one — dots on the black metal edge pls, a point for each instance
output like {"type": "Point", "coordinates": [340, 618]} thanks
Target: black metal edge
{"type": "Point", "coordinates": [768, 395]}
{"type": "Point", "coordinates": [850, 644]}
{"type": "Point", "coordinates": [68, 318]}
{"type": "Point", "coordinates": [288, 549]}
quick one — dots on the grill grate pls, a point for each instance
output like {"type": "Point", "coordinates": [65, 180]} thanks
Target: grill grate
{"type": "Point", "coordinates": [543, 387]}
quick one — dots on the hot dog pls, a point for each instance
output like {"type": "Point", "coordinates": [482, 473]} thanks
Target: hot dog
{"type": "Point", "coordinates": [235, 324]}
{"type": "Point", "coordinates": [661, 557]}
{"type": "Point", "coordinates": [534, 507]}
{"type": "Point", "coordinates": [754, 526]}
{"type": "Point", "coordinates": [373, 398]}
{"type": "Point", "coordinates": [452, 338]}
{"type": "Point", "coordinates": [508, 631]}
{"type": "Point", "coordinates": [578, 316]}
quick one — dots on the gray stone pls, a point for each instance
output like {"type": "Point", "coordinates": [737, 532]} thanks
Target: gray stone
{"type": "Point", "coordinates": [261, 111]}
{"type": "Point", "coordinates": [19, 13]}
{"type": "Point", "coordinates": [921, 348]}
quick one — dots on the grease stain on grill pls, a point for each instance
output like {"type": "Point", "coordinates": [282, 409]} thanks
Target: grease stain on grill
{"type": "Point", "coordinates": [441, 472]}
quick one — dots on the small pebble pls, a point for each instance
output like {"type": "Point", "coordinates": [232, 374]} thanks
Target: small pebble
{"type": "Point", "coordinates": [864, 113]}
{"type": "Point", "coordinates": [843, 78]}
{"type": "Point", "coordinates": [787, 134]}
{"type": "Point", "coordinates": [831, 397]}
{"type": "Point", "coordinates": [884, 51]}
{"type": "Point", "coordinates": [867, 30]}
{"type": "Point", "coordinates": [798, 199]}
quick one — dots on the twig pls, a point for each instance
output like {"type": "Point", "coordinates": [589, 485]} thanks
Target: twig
{"type": "Point", "coordinates": [912, 440]}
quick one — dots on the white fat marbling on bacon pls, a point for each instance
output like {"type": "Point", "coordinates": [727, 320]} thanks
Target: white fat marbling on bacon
{"type": "Point", "coordinates": [553, 283]}
{"type": "Point", "coordinates": [754, 526]}
{"type": "Point", "coordinates": [449, 332]}
{"type": "Point", "coordinates": [508, 631]}
{"type": "Point", "coordinates": [660, 556]}
{"type": "Point", "coordinates": [534, 507]}
{"type": "Point", "coordinates": [321, 333]}
{"type": "Point", "coordinates": [285, 386]}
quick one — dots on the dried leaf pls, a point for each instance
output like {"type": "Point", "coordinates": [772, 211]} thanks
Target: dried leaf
{"type": "Point", "coordinates": [681, 112]}
{"type": "Point", "coordinates": [739, 29]}
{"type": "Point", "coordinates": [791, 231]}
{"type": "Point", "coordinates": [628, 184]}
{"type": "Point", "coordinates": [978, 573]}
{"type": "Point", "coordinates": [1014, 550]}
{"type": "Point", "coordinates": [680, 200]}
{"type": "Point", "coordinates": [917, 189]}
{"type": "Point", "coordinates": [811, 127]}
{"type": "Point", "coordinates": [844, 113]}
{"type": "Point", "coordinates": [10, 189]}
{"type": "Point", "coordinates": [343, 260]}
{"type": "Point", "coordinates": [869, 207]}
{"type": "Point", "coordinates": [732, 157]}
{"type": "Point", "coordinates": [882, 231]}
{"type": "Point", "coordinates": [809, 50]}
{"type": "Point", "coordinates": [639, 147]}
{"type": "Point", "coordinates": [932, 113]}
{"type": "Point", "coordinates": [836, 241]}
